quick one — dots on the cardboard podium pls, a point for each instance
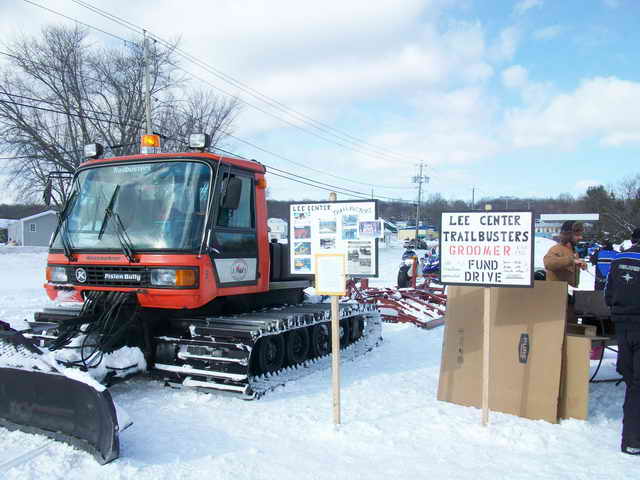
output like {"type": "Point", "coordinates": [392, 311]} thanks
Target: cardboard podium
{"type": "Point", "coordinates": [529, 353]}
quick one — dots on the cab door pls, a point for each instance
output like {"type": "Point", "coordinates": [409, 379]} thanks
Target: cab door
{"type": "Point", "coordinates": [234, 243]}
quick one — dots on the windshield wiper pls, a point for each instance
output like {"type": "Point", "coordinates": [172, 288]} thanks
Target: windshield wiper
{"type": "Point", "coordinates": [108, 211]}
{"type": "Point", "coordinates": [61, 227]}
{"type": "Point", "coordinates": [121, 231]}
{"type": "Point", "coordinates": [123, 237]}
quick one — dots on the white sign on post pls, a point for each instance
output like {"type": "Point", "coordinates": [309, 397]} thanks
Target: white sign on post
{"type": "Point", "coordinates": [350, 228]}
{"type": "Point", "coordinates": [491, 248]}
{"type": "Point", "coordinates": [331, 280]}
{"type": "Point", "coordinates": [330, 274]}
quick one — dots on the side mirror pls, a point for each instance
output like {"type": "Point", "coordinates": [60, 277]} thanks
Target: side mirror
{"type": "Point", "coordinates": [46, 195]}
{"type": "Point", "coordinates": [232, 193]}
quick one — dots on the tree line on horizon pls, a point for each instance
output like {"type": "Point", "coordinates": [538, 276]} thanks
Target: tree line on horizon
{"type": "Point", "coordinates": [618, 207]}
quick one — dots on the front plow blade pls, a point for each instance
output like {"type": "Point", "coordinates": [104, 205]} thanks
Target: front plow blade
{"type": "Point", "coordinates": [59, 407]}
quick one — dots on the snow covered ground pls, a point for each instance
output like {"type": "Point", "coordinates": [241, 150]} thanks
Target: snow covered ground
{"type": "Point", "coordinates": [393, 426]}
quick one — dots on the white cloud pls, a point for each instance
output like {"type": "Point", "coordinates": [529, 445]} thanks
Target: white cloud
{"type": "Point", "coordinates": [604, 108]}
{"type": "Point", "coordinates": [620, 138]}
{"type": "Point", "coordinates": [525, 5]}
{"type": "Point", "coordinates": [549, 32]}
{"type": "Point", "coordinates": [515, 77]}
{"type": "Point", "coordinates": [506, 45]}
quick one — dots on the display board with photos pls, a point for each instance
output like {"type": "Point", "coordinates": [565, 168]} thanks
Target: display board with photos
{"type": "Point", "coordinates": [348, 227]}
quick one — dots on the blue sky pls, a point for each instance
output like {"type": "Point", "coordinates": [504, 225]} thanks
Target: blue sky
{"type": "Point", "coordinates": [512, 98]}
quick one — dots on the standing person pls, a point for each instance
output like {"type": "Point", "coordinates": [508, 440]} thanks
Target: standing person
{"type": "Point", "coordinates": [561, 261]}
{"type": "Point", "coordinates": [602, 260]}
{"type": "Point", "coordinates": [622, 296]}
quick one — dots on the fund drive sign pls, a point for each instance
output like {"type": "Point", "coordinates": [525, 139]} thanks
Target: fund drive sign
{"type": "Point", "coordinates": [487, 249]}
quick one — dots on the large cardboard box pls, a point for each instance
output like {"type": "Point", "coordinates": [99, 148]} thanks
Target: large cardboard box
{"type": "Point", "coordinates": [527, 334]}
{"type": "Point", "coordinates": [574, 385]}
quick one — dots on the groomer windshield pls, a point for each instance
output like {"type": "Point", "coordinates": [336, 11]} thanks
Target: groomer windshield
{"type": "Point", "coordinates": [161, 204]}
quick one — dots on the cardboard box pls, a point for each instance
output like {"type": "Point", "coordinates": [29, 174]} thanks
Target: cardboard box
{"type": "Point", "coordinates": [527, 335]}
{"type": "Point", "coordinates": [574, 386]}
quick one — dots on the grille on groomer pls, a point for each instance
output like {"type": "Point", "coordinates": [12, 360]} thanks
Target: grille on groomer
{"type": "Point", "coordinates": [111, 276]}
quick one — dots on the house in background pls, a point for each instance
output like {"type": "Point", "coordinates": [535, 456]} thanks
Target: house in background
{"type": "Point", "coordinates": [4, 229]}
{"type": "Point", "coordinates": [426, 231]}
{"type": "Point", "coordinates": [550, 224]}
{"type": "Point", "coordinates": [35, 230]}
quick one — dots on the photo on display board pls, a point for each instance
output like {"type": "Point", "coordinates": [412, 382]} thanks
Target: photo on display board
{"type": "Point", "coordinates": [349, 233]}
{"type": "Point", "coordinates": [300, 215]}
{"type": "Point", "coordinates": [302, 232]}
{"type": "Point", "coordinates": [302, 264]}
{"type": "Point", "coordinates": [370, 229]}
{"type": "Point", "coordinates": [350, 221]}
{"type": "Point", "coordinates": [359, 256]}
{"type": "Point", "coordinates": [327, 226]}
{"type": "Point", "coordinates": [328, 243]}
{"type": "Point", "coordinates": [302, 248]}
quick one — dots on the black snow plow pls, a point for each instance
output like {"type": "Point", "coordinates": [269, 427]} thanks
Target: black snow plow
{"type": "Point", "coordinates": [37, 397]}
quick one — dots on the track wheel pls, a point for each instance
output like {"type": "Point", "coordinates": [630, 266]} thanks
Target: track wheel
{"type": "Point", "coordinates": [270, 355]}
{"type": "Point", "coordinates": [320, 340]}
{"type": "Point", "coordinates": [344, 333]}
{"type": "Point", "coordinates": [357, 327]}
{"type": "Point", "coordinates": [297, 346]}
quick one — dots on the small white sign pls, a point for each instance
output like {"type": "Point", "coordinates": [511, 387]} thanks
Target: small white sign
{"type": "Point", "coordinates": [491, 248]}
{"type": "Point", "coordinates": [330, 274]}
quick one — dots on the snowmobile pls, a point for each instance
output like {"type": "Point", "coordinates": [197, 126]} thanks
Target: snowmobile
{"type": "Point", "coordinates": [430, 264]}
{"type": "Point", "coordinates": [167, 260]}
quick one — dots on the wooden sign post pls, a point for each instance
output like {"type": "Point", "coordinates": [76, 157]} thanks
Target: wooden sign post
{"type": "Point", "coordinates": [486, 355]}
{"type": "Point", "coordinates": [330, 279]}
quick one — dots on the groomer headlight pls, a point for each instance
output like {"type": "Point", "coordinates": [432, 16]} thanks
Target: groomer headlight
{"type": "Point", "coordinates": [93, 150]}
{"type": "Point", "coordinates": [56, 274]}
{"type": "Point", "coordinates": [199, 141]}
{"type": "Point", "coordinates": [173, 277]}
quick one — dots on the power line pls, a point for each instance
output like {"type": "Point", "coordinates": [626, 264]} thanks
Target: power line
{"type": "Point", "coordinates": [97, 112]}
{"type": "Point", "coordinates": [67, 113]}
{"type": "Point", "coordinates": [341, 189]}
{"type": "Point", "coordinates": [78, 21]}
{"type": "Point", "coordinates": [344, 136]}
{"type": "Point", "coordinates": [139, 126]}
{"type": "Point", "coordinates": [189, 57]}
{"type": "Point", "coordinates": [321, 126]}
{"type": "Point", "coordinates": [333, 187]}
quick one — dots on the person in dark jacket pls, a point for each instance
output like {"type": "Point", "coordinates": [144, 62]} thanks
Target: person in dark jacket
{"type": "Point", "coordinates": [602, 261]}
{"type": "Point", "coordinates": [622, 295]}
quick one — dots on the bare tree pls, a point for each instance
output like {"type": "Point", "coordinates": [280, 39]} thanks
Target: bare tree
{"type": "Point", "coordinates": [200, 112]}
{"type": "Point", "coordinates": [59, 93]}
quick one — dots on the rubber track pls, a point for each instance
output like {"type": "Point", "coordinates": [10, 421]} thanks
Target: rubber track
{"type": "Point", "coordinates": [238, 335]}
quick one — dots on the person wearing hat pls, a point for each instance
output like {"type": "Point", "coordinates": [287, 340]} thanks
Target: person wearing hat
{"type": "Point", "coordinates": [621, 295]}
{"type": "Point", "coordinates": [561, 262]}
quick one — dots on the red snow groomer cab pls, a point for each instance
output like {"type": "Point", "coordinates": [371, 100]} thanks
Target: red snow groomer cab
{"type": "Point", "coordinates": [167, 255]}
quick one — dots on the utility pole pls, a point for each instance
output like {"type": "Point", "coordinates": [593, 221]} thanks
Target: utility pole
{"type": "Point", "coordinates": [473, 198]}
{"type": "Point", "coordinates": [147, 93]}
{"type": "Point", "coordinates": [419, 179]}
